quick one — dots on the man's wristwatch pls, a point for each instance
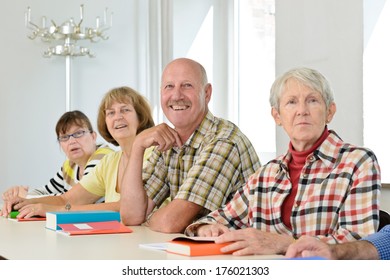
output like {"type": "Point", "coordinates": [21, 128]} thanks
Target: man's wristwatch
{"type": "Point", "coordinates": [67, 206]}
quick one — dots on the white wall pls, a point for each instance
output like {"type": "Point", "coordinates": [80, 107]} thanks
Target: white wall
{"type": "Point", "coordinates": [326, 35]}
{"type": "Point", "coordinates": [32, 88]}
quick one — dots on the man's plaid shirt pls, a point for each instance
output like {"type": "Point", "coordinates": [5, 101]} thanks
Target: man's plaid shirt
{"type": "Point", "coordinates": [211, 166]}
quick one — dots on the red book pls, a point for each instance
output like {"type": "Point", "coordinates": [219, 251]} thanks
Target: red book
{"type": "Point", "coordinates": [94, 228]}
{"type": "Point", "coordinates": [14, 217]}
{"type": "Point", "coordinates": [35, 218]}
{"type": "Point", "coordinates": [196, 246]}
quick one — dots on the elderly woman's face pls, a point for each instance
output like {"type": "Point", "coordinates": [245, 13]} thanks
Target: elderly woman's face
{"type": "Point", "coordinates": [122, 121]}
{"type": "Point", "coordinates": [303, 114]}
{"type": "Point", "coordinates": [79, 144]}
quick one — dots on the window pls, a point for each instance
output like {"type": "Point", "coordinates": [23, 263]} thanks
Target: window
{"type": "Point", "coordinates": [256, 73]}
{"type": "Point", "coordinates": [375, 81]}
{"type": "Point", "coordinates": [235, 41]}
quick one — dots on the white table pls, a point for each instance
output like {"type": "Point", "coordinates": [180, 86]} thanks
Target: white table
{"type": "Point", "coordinates": [32, 241]}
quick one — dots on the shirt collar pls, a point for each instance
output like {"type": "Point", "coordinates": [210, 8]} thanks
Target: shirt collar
{"type": "Point", "coordinates": [198, 136]}
{"type": "Point", "coordinates": [327, 152]}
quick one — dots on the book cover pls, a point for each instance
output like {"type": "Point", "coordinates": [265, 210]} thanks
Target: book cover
{"type": "Point", "coordinates": [196, 246]}
{"type": "Point", "coordinates": [53, 219]}
{"type": "Point", "coordinates": [94, 228]}
{"type": "Point", "coordinates": [35, 218]}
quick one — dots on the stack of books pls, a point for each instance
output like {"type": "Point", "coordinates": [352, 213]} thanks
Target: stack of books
{"type": "Point", "coordinates": [86, 222]}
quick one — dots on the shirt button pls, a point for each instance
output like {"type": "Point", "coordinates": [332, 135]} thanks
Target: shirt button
{"type": "Point", "coordinates": [311, 159]}
{"type": "Point", "coordinates": [296, 205]}
{"type": "Point", "coordinates": [305, 176]}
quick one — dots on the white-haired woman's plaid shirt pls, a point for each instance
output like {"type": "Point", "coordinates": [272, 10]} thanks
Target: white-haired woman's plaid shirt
{"type": "Point", "coordinates": [337, 198]}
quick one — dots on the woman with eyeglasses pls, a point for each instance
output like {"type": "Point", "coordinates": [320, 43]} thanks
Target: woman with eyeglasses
{"type": "Point", "coordinates": [123, 113]}
{"type": "Point", "coordinates": [78, 141]}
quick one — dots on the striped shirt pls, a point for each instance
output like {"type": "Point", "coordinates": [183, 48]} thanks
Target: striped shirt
{"type": "Point", "coordinates": [68, 176]}
{"type": "Point", "coordinates": [207, 170]}
{"type": "Point", "coordinates": [381, 240]}
{"type": "Point", "coordinates": [336, 200]}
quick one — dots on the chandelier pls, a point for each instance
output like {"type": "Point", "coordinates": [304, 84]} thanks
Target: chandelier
{"type": "Point", "coordinates": [65, 38]}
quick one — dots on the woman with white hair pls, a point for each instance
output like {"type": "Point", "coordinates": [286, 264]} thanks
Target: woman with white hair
{"type": "Point", "coordinates": [321, 187]}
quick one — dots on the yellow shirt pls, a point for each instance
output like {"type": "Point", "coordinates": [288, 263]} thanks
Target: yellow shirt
{"type": "Point", "coordinates": [102, 180]}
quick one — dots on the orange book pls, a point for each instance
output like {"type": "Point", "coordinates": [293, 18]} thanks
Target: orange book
{"type": "Point", "coordinates": [94, 228]}
{"type": "Point", "coordinates": [196, 246]}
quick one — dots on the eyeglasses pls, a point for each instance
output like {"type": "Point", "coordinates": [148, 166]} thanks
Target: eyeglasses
{"type": "Point", "coordinates": [77, 134]}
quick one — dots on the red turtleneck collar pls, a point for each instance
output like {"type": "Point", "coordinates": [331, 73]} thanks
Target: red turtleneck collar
{"type": "Point", "coordinates": [295, 166]}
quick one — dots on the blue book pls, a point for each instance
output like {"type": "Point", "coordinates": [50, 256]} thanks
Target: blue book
{"type": "Point", "coordinates": [53, 219]}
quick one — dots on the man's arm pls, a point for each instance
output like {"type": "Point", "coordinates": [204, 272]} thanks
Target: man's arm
{"type": "Point", "coordinates": [309, 246]}
{"type": "Point", "coordinates": [355, 250]}
{"type": "Point", "coordinates": [135, 205]}
{"type": "Point", "coordinates": [174, 217]}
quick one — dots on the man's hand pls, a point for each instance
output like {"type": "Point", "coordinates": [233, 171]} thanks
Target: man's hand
{"type": "Point", "coordinates": [308, 246]}
{"type": "Point", "coordinates": [162, 136]}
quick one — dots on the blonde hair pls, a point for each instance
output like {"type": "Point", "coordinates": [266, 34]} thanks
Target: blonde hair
{"type": "Point", "coordinates": [124, 95]}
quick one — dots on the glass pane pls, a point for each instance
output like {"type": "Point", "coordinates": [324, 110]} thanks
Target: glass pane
{"type": "Point", "coordinates": [256, 72]}
{"type": "Point", "coordinates": [376, 81]}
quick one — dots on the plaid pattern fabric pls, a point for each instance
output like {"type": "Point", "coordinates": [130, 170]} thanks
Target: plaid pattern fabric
{"type": "Point", "coordinates": [381, 240]}
{"type": "Point", "coordinates": [214, 162]}
{"type": "Point", "coordinates": [337, 198]}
